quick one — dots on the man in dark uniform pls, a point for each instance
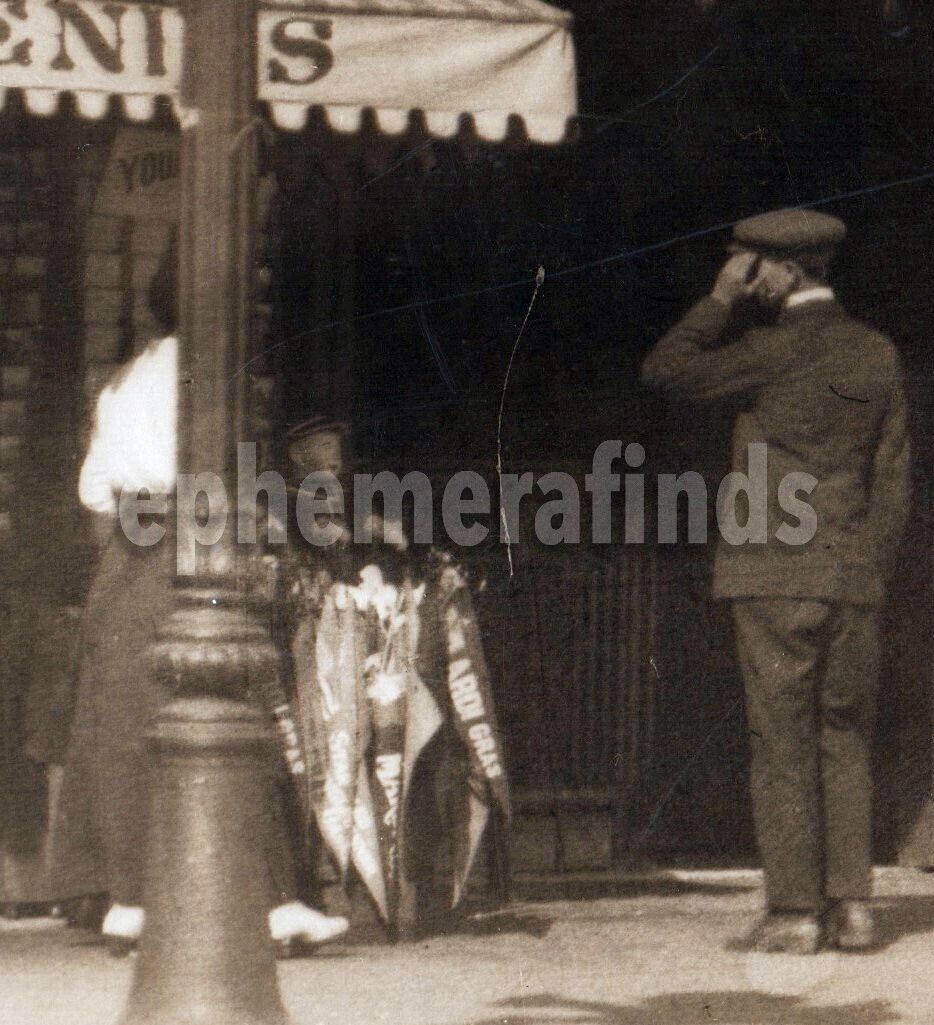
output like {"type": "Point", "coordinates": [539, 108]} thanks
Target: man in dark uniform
{"type": "Point", "coordinates": [822, 392]}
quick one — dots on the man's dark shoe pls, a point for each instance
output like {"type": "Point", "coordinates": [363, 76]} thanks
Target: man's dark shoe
{"type": "Point", "coordinates": [781, 932]}
{"type": "Point", "coordinates": [851, 926]}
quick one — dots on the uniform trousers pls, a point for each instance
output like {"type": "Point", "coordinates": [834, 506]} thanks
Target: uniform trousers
{"type": "Point", "coordinates": [810, 670]}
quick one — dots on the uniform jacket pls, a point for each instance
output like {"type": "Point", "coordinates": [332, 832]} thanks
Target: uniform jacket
{"type": "Point", "coordinates": [824, 393]}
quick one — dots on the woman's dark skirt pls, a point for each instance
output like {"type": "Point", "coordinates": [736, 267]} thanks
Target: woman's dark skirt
{"type": "Point", "coordinates": [100, 835]}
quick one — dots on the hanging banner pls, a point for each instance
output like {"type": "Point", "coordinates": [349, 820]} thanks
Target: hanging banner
{"type": "Point", "coordinates": [475, 720]}
{"type": "Point", "coordinates": [367, 717]}
{"type": "Point", "coordinates": [365, 847]}
{"type": "Point", "coordinates": [336, 680]}
{"type": "Point", "coordinates": [491, 58]}
{"type": "Point", "coordinates": [327, 664]}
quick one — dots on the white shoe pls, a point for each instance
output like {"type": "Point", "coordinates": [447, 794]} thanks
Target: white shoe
{"type": "Point", "coordinates": [124, 922]}
{"type": "Point", "coordinates": [122, 928]}
{"type": "Point", "coordinates": [296, 923]}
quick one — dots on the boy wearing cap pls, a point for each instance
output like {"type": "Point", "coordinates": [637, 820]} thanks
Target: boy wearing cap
{"type": "Point", "coordinates": [823, 392]}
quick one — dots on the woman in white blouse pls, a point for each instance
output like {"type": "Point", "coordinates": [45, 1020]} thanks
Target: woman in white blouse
{"type": "Point", "coordinates": [101, 831]}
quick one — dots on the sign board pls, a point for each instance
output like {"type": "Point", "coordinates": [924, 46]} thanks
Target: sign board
{"type": "Point", "coordinates": [445, 60]}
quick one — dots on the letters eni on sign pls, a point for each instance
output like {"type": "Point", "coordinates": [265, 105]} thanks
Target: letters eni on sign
{"type": "Point", "coordinates": [116, 39]}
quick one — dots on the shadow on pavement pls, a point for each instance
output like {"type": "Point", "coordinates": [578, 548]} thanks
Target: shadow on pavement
{"type": "Point", "coordinates": [897, 917]}
{"type": "Point", "coordinates": [501, 923]}
{"type": "Point", "coordinates": [555, 888]}
{"type": "Point", "coordinates": [735, 1008]}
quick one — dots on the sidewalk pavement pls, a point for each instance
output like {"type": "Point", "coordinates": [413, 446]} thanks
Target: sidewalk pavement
{"type": "Point", "coordinates": [654, 949]}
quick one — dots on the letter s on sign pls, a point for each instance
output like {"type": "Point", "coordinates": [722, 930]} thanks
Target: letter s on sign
{"type": "Point", "coordinates": [312, 50]}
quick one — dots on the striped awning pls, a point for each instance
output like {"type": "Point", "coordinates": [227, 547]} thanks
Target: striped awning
{"type": "Point", "coordinates": [486, 59]}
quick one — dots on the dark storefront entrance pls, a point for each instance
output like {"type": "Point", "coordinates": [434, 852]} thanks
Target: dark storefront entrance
{"type": "Point", "coordinates": [619, 689]}
{"type": "Point", "coordinates": [616, 673]}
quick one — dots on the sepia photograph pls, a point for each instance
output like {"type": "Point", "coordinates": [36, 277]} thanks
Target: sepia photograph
{"type": "Point", "coordinates": [466, 512]}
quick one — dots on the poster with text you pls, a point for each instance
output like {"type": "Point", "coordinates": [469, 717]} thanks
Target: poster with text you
{"type": "Point", "coordinates": [141, 177]}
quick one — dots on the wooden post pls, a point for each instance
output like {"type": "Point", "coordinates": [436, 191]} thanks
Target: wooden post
{"type": "Point", "coordinates": [205, 953]}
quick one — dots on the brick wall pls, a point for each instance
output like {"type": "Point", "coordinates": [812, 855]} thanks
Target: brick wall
{"type": "Point", "coordinates": [23, 241]}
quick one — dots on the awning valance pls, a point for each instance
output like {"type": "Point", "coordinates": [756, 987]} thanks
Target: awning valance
{"type": "Point", "coordinates": [487, 58]}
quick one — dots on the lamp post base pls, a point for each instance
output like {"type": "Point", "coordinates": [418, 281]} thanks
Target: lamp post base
{"type": "Point", "coordinates": [206, 957]}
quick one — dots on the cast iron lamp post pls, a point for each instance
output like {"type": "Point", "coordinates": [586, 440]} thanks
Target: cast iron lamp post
{"type": "Point", "coordinates": [205, 955]}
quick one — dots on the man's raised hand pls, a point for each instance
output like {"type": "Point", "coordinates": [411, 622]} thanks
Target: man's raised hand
{"type": "Point", "coordinates": [732, 282]}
